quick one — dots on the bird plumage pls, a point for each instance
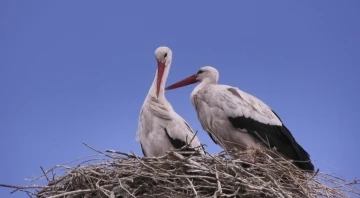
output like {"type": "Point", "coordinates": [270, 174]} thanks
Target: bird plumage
{"type": "Point", "coordinates": [160, 128]}
{"type": "Point", "coordinates": [234, 118]}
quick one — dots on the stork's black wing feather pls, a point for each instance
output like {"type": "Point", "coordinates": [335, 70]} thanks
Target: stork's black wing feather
{"type": "Point", "coordinates": [177, 143]}
{"type": "Point", "coordinates": [211, 136]}
{"type": "Point", "coordinates": [187, 125]}
{"type": "Point", "coordinates": [275, 136]}
{"type": "Point", "coordinates": [142, 149]}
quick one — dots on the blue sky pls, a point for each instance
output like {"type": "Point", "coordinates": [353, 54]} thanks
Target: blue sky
{"type": "Point", "coordinates": [78, 71]}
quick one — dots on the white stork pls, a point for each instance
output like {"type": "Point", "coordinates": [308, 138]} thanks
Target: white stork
{"type": "Point", "coordinates": [160, 128]}
{"type": "Point", "coordinates": [234, 118]}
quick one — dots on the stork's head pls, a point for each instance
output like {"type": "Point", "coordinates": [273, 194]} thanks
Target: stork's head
{"type": "Point", "coordinates": [163, 57]}
{"type": "Point", "coordinates": [207, 74]}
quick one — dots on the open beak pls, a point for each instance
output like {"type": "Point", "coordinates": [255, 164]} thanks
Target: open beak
{"type": "Point", "coordinates": [187, 81]}
{"type": "Point", "coordinates": [160, 73]}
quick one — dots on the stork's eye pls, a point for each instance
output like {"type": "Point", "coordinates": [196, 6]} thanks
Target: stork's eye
{"type": "Point", "coordinates": [165, 55]}
{"type": "Point", "coordinates": [199, 72]}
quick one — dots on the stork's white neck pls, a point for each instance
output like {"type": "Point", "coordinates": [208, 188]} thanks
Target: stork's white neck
{"type": "Point", "coordinates": [205, 82]}
{"type": "Point", "coordinates": [153, 90]}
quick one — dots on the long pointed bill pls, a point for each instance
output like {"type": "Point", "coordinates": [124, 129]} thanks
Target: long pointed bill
{"type": "Point", "coordinates": [160, 73]}
{"type": "Point", "coordinates": [187, 81]}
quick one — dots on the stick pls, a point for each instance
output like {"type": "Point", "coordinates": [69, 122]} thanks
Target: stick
{"type": "Point", "coordinates": [71, 192]}
{"type": "Point", "coordinates": [218, 183]}
{"type": "Point", "coordinates": [45, 174]}
{"type": "Point", "coordinates": [192, 186]}
{"type": "Point", "coordinates": [125, 189]}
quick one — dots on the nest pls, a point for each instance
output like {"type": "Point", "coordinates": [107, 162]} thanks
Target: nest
{"type": "Point", "coordinates": [228, 174]}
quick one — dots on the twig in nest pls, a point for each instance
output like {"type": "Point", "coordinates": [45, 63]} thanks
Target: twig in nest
{"type": "Point", "coordinates": [45, 174]}
{"type": "Point", "coordinates": [193, 188]}
{"type": "Point", "coordinates": [71, 192]}
{"type": "Point", "coordinates": [122, 187]}
{"type": "Point", "coordinates": [218, 183]}
{"type": "Point", "coordinates": [97, 150]}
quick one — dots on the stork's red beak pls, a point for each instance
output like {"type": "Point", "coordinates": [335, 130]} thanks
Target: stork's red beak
{"type": "Point", "coordinates": [160, 73]}
{"type": "Point", "coordinates": [187, 81]}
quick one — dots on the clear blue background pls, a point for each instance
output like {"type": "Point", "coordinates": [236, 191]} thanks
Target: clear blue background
{"type": "Point", "coordinates": [78, 71]}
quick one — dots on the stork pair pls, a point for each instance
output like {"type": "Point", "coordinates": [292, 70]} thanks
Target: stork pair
{"type": "Point", "coordinates": [231, 117]}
